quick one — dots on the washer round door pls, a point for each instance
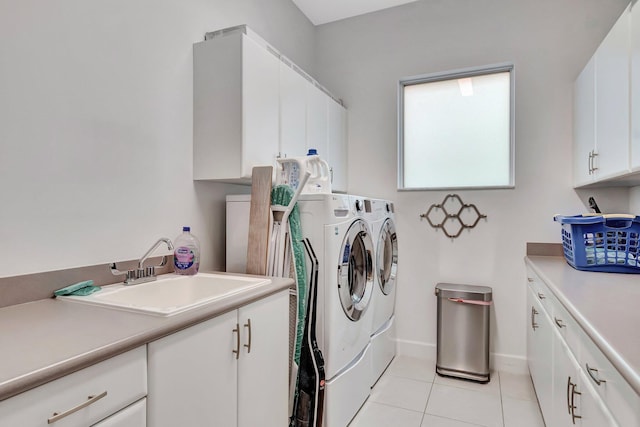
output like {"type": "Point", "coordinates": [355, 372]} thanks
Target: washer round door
{"type": "Point", "coordinates": [387, 257]}
{"type": "Point", "coordinates": [355, 270]}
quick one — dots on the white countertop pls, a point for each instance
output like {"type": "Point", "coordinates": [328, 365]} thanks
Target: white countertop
{"type": "Point", "coordinates": [47, 339]}
{"type": "Point", "coordinates": [605, 305]}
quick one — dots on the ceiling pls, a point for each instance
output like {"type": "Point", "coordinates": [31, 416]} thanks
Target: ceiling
{"type": "Point", "coordinates": [324, 11]}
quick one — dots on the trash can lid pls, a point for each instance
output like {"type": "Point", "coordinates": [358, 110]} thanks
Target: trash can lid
{"type": "Point", "coordinates": [472, 292]}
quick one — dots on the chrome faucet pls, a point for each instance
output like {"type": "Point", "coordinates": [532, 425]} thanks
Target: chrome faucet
{"type": "Point", "coordinates": [153, 248]}
{"type": "Point", "coordinates": [143, 274]}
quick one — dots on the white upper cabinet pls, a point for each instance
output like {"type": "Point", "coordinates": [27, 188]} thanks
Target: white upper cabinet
{"type": "Point", "coordinates": [584, 125]}
{"type": "Point", "coordinates": [260, 106]}
{"type": "Point", "coordinates": [601, 109]}
{"type": "Point", "coordinates": [317, 104]}
{"type": "Point", "coordinates": [612, 100]}
{"type": "Point", "coordinates": [293, 112]}
{"type": "Point", "coordinates": [635, 87]}
{"type": "Point", "coordinates": [337, 146]}
{"type": "Point", "coordinates": [235, 107]}
{"type": "Point", "coordinates": [251, 105]}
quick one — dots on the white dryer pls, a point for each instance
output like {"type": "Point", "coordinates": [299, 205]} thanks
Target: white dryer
{"type": "Point", "coordinates": [383, 336]}
{"type": "Point", "coordinates": [344, 246]}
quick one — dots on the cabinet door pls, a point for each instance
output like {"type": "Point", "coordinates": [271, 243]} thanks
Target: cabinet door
{"type": "Point", "coordinates": [337, 145]}
{"type": "Point", "coordinates": [263, 365]}
{"type": "Point", "coordinates": [592, 409]}
{"type": "Point", "coordinates": [260, 106]}
{"type": "Point", "coordinates": [635, 86]}
{"type": "Point", "coordinates": [567, 396]}
{"type": "Point", "coordinates": [193, 375]}
{"type": "Point", "coordinates": [317, 120]}
{"type": "Point", "coordinates": [293, 112]}
{"type": "Point", "coordinates": [612, 100]}
{"type": "Point", "coordinates": [539, 353]}
{"type": "Point", "coordinates": [584, 131]}
{"type": "Point", "coordinates": [131, 416]}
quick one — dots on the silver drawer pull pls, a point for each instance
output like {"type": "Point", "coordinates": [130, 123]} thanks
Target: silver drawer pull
{"type": "Point", "coordinates": [91, 399]}
{"type": "Point", "coordinates": [541, 295]}
{"type": "Point", "coordinates": [574, 417]}
{"type": "Point", "coordinates": [591, 371]}
{"type": "Point", "coordinates": [236, 332]}
{"type": "Point", "coordinates": [248, 345]}
{"type": "Point", "coordinates": [559, 322]}
{"type": "Point", "coordinates": [529, 279]}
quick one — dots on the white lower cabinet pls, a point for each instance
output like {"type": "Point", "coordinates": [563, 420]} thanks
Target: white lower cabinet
{"type": "Point", "coordinates": [567, 405]}
{"type": "Point", "coordinates": [131, 416]}
{"type": "Point", "coordinates": [556, 353]}
{"type": "Point", "coordinates": [229, 371]}
{"type": "Point", "coordinates": [83, 398]}
{"type": "Point", "coordinates": [539, 350]}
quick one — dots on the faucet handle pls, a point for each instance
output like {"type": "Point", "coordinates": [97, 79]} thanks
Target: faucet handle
{"type": "Point", "coordinates": [130, 274]}
{"type": "Point", "coordinates": [115, 271]}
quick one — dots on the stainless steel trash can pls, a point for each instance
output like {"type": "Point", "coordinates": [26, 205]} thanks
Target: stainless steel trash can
{"type": "Point", "coordinates": [463, 331]}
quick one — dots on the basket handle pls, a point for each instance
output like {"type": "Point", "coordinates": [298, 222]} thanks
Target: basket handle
{"type": "Point", "coordinates": [618, 221]}
{"type": "Point", "coordinates": [597, 219]}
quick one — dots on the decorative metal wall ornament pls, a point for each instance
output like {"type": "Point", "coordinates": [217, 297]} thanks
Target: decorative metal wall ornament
{"type": "Point", "coordinates": [452, 224]}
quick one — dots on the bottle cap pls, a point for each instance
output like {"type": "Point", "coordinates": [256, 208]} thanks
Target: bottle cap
{"type": "Point", "coordinates": [186, 228]}
{"type": "Point", "coordinates": [312, 152]}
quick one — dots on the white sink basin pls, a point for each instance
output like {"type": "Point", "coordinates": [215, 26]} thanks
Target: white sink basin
{"type": "Point", "coordinates": [170, 294]}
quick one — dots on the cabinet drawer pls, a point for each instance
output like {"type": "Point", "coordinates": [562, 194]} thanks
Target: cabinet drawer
{"type": "Point", "coordinates": [540, 290]}
{"type": "Point", "coordinates": [132, 416]}
{"type": "Point", "coordinates": [559, 316]}
{"type": "Point", "coordinates": [566, 325]}
{"type": "Point", "coordinates": [121, 381]}
{"type": "Point", "coordinates": [621, 400]}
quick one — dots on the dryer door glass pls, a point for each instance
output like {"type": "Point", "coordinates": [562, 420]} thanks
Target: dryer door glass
{"type": "Point", "coordinates": [355, 271]}
{"type": "Point", "coordinates": [387, 253]}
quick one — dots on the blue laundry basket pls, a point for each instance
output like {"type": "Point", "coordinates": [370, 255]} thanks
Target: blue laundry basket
{"type": "Point", "coordinates": [607, 243]}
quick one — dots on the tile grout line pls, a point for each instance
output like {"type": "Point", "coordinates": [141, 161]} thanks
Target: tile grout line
{"type": "Point", "coordinates": [501, 399]}
{"type": "Point", "coordinates": [424, 413]}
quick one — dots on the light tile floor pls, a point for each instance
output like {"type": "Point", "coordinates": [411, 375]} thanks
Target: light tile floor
{"type": "Point", "coordinates": [410, 394]}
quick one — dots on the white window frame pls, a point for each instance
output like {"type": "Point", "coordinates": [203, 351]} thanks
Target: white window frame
{"type": "Point", "coordinates": [453, 75]}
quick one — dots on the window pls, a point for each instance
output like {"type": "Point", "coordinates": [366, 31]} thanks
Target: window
{"type": "Point", "coordinates": [455, 130]}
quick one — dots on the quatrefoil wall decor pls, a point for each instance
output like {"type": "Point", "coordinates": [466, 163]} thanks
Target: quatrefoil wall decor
{"type": "Point", "coordinates": [441, 216]}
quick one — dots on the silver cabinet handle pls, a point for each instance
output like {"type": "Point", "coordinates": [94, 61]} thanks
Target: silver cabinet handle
{"type": "Point", "coordinates": [593, 161]}
{"type": "Point", "coordinates": [541, 295]}
{"type": "Point", "coordinates": [90, 400]}
{"type": "Point", "coordinates": [569, 384]}
{"type": "Point", "coordinates": [529, 279]}
{"type": "Point", "coordinates": [534, 325]}
{"type": "Point", "coordinates": [559, 322]}
{"type": "Point", "coordinates": [236, 331]}
{"type": "Point", "coordinates": [248, 345]}
{"type": "Point", "coordinates": [574, 417]}
{"type": "Point", "coordinates": [598, 381]}
{"type": "Point", "coordinates": [590, 162]}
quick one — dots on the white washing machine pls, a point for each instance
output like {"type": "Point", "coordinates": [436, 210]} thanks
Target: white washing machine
{"type": "Point", "coordinates": [343, 243]}
{"type": "Point", "coordinates": [383, 337]}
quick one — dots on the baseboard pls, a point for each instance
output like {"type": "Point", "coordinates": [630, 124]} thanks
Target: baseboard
{"type": "Point", "coordinates": [417, 349]}
{"type": "Point", "coordinates": [509, 363]}
{"type": "Point", "coordinates": [498, 361]}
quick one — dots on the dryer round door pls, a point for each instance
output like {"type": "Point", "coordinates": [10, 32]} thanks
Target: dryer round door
{"type": "Point", "coordinates": [355, 270]}
{"type": "Point", "coordinates": [387, 257]}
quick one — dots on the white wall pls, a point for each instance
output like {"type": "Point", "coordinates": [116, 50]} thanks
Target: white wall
{"type": "Point", "coordinates": [549, 42]}
{"type": "Point", "coordinates": [96, 125]}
